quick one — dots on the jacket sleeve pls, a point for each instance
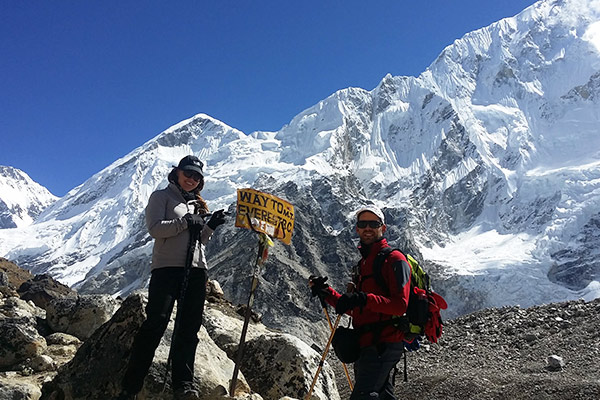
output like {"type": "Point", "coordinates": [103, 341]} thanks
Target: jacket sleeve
{"type": "Point", "coordinates": [396, 272]}
{"type": "Point", "coordinates": [156, 222]}
{"type": "Point", "coordinates": [332, 297]}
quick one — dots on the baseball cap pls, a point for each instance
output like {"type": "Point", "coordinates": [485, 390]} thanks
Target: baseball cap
{"type": "Point", "coordinates": [374, 210]}
{"type": "Point", "coordinates": [191, 163]}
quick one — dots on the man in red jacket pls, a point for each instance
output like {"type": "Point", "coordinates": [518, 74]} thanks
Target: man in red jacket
{"type": "Point", "coordinates": [369, 305]}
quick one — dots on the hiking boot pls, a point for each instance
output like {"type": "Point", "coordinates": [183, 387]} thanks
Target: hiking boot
{"type": "Point", "coordinates": [186, 392]}
{"type": "Point", "coordinates": [124, 395]}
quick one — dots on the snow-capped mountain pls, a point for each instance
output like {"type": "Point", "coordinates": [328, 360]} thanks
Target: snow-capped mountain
{"type": "Point", "coordinates": [21, 198]}
{"type": "Point", "coordinates": [487, 166]}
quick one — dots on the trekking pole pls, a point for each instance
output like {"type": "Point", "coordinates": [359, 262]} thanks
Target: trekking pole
{"type": "Point", "coordinates": [314, 381]}
{"type": "Point", "coordinates": [331, 328]}
{"type": "Point", "coordinates": [405, 369]}
{"type": "Point", "coordinates": [263, 245]}
{"type": "Point", "coordinates": [189, 259]}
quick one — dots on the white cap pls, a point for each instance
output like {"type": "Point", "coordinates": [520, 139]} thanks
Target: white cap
{"type": "Point", "coordinates": [374, 210]}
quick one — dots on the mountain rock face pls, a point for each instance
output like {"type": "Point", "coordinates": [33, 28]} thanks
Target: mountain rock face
{"type": "Point", "coordinates": [21, 199]}
{"type": "Point", "coordinates": [486, 165]}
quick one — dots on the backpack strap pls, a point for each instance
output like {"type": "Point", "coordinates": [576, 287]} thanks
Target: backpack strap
{"type": "Point", "coordinates": [378, 266]}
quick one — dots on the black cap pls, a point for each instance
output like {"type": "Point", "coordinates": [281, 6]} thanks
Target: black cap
{"type": "Point", "coordinates": [191, 163]}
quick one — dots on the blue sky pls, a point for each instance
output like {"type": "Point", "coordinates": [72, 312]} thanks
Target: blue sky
{"type": "Point", "coordinates": [83, 83]}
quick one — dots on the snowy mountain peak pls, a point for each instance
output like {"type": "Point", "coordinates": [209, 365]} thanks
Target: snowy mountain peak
{"type": "Point", "coordinates": [21, 198]}
{"type": "Point", "coordinates": [487, 164]}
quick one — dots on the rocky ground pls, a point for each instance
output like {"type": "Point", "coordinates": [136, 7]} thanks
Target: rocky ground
{"type": "Point", "coordinates": [507, 353]}
{"type": "Point", "coordinates": [544, 352]}
{"type": "Point", "coordinates": [78, 345]}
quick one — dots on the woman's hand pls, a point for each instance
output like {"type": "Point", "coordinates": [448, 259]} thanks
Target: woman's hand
{"type": "Point", "coordinates": [217, 218]}
{"type": "Point", "coordinates": [193, 220]}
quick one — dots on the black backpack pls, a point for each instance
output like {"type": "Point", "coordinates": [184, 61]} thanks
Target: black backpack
{"type": "Point", "coordinates": [422, 316]}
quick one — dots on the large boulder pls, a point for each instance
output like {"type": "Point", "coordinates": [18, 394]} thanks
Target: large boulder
{"type": "Point", "coordinates": [18, 330]}
{"type": "Point", "coordinates": [226, 329]}
{"type": "Point", "coordinates": [14, 307]}
{"type": "Point", "coordinates": [99, 365]}
{"type": "Point", "coordinates": [62, 347]}
{"type": "Point", "coordinates": [280, 365]}
{"type": "Point", "coordinates": [275, 364]}
{"type": "Point", "coordinates": [19, 391]}
{"type": "Point", "coordinates": [20, 341]}
{"type": "Point", "coordinates": [42, 289]}
{"type": "Point", "coordinates": [212, 371]}
{"type": "Point", "coordinates": [80, 316]}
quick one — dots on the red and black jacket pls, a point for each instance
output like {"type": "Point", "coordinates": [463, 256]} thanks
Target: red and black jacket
{"type": "Point", "coordinates": [381, 304]}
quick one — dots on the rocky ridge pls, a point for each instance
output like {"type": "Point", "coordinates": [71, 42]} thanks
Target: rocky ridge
{"type": "Point", "coordinates": [77, 347]}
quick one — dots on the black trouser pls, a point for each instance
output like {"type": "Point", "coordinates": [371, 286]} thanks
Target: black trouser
{"type": "Point", "coordinates": [164, 290]}
{"type": "Point", "coordinates": [372, 372]}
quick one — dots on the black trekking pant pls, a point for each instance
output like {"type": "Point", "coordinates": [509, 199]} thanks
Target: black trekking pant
{"type": "Point", "coordinates": [164, 290]}
{"type": "Point", "coordinates": [372, 372]}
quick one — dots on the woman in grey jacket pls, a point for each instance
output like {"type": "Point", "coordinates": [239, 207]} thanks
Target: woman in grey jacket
{"type": "Point", "coordinates": [172, 215]}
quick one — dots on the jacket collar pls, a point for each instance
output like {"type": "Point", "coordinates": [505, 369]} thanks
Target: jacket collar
{"type": "Point", "coordinates": [367, 250]}
{"type": "Point", "coordinates": [175, 189]}
{"type": "Point", "coordinates": [185, 196]}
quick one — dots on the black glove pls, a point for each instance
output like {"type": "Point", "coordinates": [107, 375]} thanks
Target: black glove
{"type": "Point", "coordinates": [193, 220]}
{"type": "Point", "coordinates": [217, 218]}
{"type": "Point", "coordinates": [318, 287]}
{"type": "Point", "coordinates": [349, 301]}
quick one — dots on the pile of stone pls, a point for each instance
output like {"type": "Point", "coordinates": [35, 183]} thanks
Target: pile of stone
{"type": "Point", "coordinates": [549, 351]}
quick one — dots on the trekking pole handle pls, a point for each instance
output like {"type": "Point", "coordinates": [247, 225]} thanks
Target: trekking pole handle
{"type": "Point", "coordinates": [350, 287]}
{"type": "Point", "coordinates": [321, 296]}
{"type": "Point", "coordinates": [323, 303]}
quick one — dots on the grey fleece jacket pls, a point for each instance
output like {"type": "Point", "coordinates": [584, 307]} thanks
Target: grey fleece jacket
{"type": "Point", "coordinates": [164, 220]}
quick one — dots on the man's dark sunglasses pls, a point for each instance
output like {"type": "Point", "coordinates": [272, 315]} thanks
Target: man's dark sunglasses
{"type": "Point", "coordinates": [192, 175]}
{"type": "Point", "coordinates": [371, 224]}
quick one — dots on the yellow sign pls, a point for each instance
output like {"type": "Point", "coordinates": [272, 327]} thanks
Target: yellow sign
{"type": "Point", "coordinates": [268, 214]}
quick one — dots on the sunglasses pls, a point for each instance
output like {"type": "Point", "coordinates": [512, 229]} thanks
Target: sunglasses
{"type": "Point", "coordinates": [192, 175]}
{"type": "Point", "coordinates": [370, 224]}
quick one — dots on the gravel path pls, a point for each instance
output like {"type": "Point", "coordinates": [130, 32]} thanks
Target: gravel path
{"type": "Point", "coordinates": [504, 354]}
